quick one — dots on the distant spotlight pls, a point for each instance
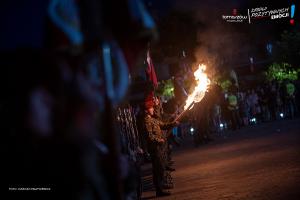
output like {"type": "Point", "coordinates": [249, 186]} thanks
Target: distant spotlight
{"type": "Point", "coordinates": [192, 129]}
{"type": "Point", "coordinates": [254, 119]}
{"type": "Point", "coordinates": [221, 125]}
{"type": "Point", "coordinates": [281, 115]}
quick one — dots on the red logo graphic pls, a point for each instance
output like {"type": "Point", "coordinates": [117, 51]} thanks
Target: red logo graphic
{"type": "Point", "coordinates": [234, 12]}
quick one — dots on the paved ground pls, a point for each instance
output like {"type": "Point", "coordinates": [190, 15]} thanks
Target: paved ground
{"type": "Point", "coordinates": [256, 163]}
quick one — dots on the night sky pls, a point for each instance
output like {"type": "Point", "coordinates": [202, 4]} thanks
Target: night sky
{"type": "Point", "coordinates": [23, 22]}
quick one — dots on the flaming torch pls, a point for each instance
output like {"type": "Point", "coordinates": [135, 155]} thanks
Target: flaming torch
{"type": "Point", "coordinates": [199, 91]}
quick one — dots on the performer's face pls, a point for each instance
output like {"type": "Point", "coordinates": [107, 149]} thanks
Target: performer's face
{"type": "Point", "coordinates": [151, 111]}
{"type": "Point", "coordinates": [156, 101]}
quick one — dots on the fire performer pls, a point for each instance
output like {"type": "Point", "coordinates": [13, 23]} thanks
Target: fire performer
{"type": "Point", "coordinates": [155, 142]}
{"type": "Point", "coordinates": [166, 150]}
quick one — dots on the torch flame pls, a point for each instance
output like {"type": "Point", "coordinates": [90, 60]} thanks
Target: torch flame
{"type": "Point", "coordinates": [201, 87]}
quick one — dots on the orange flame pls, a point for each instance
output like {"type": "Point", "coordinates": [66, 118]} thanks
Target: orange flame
{"type": "Point", "coordinates": [201, 87]}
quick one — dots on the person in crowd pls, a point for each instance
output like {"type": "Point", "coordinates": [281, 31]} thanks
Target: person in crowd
{"type": "Point", "coordinates": [215, 107]}
{"type": "Point", "coordinates": [297, 96]}
{"type": "Point", "coordinates": [279, 103]}
{"type": "Point", "coordinates": [216, 117]}
{"type": "Point", "coordinates": [223, 105]}
{"type": "Point", "coordinates": [290, 103]}
{"type": "Point", "coordinates": [244, 114]}
{"type": "Point", "coordinates": [258, 116]}
{"type": "Point", "coordinates": [233, 109]}
{"type": "Point", "coordinates": [262, 105]}
{"type": "Point", "coordinates": [203, 117]}
{"type": "Point", "coordinates": [253, 102]}
{"type": "Point", "coordinates": [272, 93]}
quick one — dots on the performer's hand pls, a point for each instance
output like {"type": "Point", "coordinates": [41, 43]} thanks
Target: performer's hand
{"type": "Point", "coordinates": [175, 123]}
{"type": "Point", "coordinates": [161, 141]}
{"type": "Point", "coordinates": [140, 150]}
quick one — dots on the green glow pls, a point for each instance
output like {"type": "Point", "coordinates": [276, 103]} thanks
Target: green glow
{"type": "Point", "coordinates": [166, 88]}
{"type": "Point", "coordinates": [280, 72]}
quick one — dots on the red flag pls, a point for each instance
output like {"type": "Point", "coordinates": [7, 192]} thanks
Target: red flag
{"type": "Point", "coordinates": [150, 70]}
